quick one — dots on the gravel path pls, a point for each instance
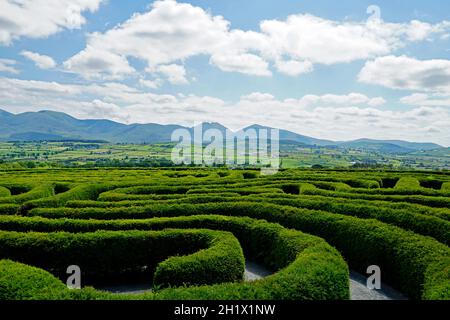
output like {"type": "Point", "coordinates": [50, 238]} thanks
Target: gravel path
{"type": "Point", "coordinates": [358, 288]}
{"type": "Point", "coordinates": [255, 271]}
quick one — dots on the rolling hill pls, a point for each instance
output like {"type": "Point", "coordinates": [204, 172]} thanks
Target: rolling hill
{"type": "Point", "coordinates": [51, 125]}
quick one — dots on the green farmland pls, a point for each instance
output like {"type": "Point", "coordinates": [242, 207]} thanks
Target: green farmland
{"type": "Point", "coordinates": [15, 155]}
{"type": "Point", "coordinates": [189, 232]}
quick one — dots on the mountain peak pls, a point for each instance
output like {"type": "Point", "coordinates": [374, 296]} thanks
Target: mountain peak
{"type": "Point", "coordinates": [5, 113]}
{"type": "Point", "coordinates": [47, 123]}
{"type": "Point", "coordinates": [211, 125]}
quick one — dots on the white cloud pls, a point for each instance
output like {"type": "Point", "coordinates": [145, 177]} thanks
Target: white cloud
{"type": "Point", "coordinates": [167, 33]}
{"type": "Point", "coordinates": [175, 74]}
{"type": "Point", "coordinates": [336, 117]}
{"type": "Point", "coordinates": [258, 97]}
{"type": "Point", "coordinates": [244, 63]}
{"type": "Point", "coordinates": [423, 99]}
{"type": "Point", "coordinates": [293, 67]}
{"type": "Point", "coordinates": [407, 73]}
{"type": "Point", "coordinates": [419, 30]}
{"type": "Point", "coordinates": [95, 63]}
{"type": "Point", "coordinates": [152, 84]}
{"type": "Point", "coordinates": [171, 32]}
{"type": "Point", "coordinates": [318, 40]}
{"type": "Point", "coordinates": [330, 100]}
{"type": "Point", "coordinates": [8, 65]}
{"type": "Point", "coordinates": [41, 18]}
{"type": "Point", "coordinates": [41, 61]}
{"type": "Point", "coordinates": [376, 102]}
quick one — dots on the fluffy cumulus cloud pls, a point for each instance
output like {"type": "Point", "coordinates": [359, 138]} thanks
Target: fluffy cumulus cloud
{"type": "Point", "coordinates": [8, 66]}
{"type": "Point", "coordinates": [41, 18]}
{"type": "Point", "coordinates": [244, 63]}
{"type": "Point", "coordinates": [294, 67]}
{"type": "Point", "coordinates": [425, 99]}
{"type": "Point", "coordinates": [41, 61]}
{"type": "Point", "coordinates": [171, 32]}
{"type": "Point", "coordinates": [168, 32]}
{"type": "Point", "coordinates": [336, 117]}
{"type": "Point", "coordinates": [258, 97]}
{"type": "Point", "coordinates": [174, 73]}
{"type": "Point", "coordinates": [352, 99]}
{"type": "Point", "coordinates": [151, 84]}
{"type": "Point", "coordinates": [408, 73]}
{"type": "Point", "coordinates": [95, 63]}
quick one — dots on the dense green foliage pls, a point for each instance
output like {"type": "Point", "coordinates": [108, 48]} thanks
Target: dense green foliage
{"type": "Point", "coordinates": [188, 231]}
{"type": "Point", "coordinates": [108, 254]}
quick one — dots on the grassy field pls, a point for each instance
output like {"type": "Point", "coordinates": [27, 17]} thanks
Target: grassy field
{"type": "Point", "coordinates": [188, 232]}
{"type": "Point", "coordinates": [157, 155]}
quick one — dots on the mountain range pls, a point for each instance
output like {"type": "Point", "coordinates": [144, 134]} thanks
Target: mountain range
{"type": "Point", "coordinates": [57, 126]}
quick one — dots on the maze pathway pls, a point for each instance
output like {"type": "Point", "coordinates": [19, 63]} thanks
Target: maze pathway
{"type": "Point", "coordinates": [197, 233]}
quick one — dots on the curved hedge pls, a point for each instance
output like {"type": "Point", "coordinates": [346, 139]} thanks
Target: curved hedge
{"type": "Point", "coordinates": [23, 282]}
{"type": "Point", "coordinates": [39, 191]}
{"type": "Point", "coordinates": [79, 192]}
{"type": "Point", "coordinates": [404, 257]}
{"type": "Point", "coordinates": [4, 192]}
{"type": "Point", "coordinates": [399, 221]}
{"type": "Point", "coordinates": [432, 201]}
{"type": "Point", "coordinates": [408, 183]}
{"type": "Point", "coordinates": [316, 202]}
{"type": "Point", "coordinates": [420, 223]}
{"type": "Point", "coordinates": [108, 254]}
{"type": "Point", "coordinates": [308, 268]}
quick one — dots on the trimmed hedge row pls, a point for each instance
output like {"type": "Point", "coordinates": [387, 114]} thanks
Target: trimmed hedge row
{"type": "Point", "coordinates": [23, 282]}
{"type": "Point", "coordinates": [4, 192]}
{"type": "Point", "coordinates": [9, 209]}
{"type": "Point", "coordinates": [162, 189]}
{"type": "Point", "coordinates": [222, 262]}
{"type": "Point", "coordinates": [79, 192]}
{"type": "Point", "coordinates": [408, 260]}
{"type": "Point", "coordinates": [105, 254]}
{"type": "Point", "coordinates": [111, 197]}
{"type": "Point", "coordinates": [408, 183]}
{"type": "Point", "coordinates": [308, 268]}
{"type": "Point", "coordinates": [40, 191]}
{"type": "Point", "coordinates": [432, 201]}
{"type": "Point", "coordinates": [417, 222]}
{"type": "Point", "coordinates": [442, 213]}
{"type": "Point", "coordinates": [240, 191]}
{"type": "Point", "coordinates": [446, 186]}
{"type": "Point", "coordinates": [321, 203]}
{"type": "Point", "coordinates": [410, 220]}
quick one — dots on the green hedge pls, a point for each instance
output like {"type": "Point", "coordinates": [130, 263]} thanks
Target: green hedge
{"type": "Point", "coordinates": [79, 192]}
{"type": "Point", "coordinates": [22, 282]}
{"type": "Point", "coordinates": [405, 258]}
{"type": "Point", "coordinates": [408, 183]}
{"type": "Point", "coordinates": [442, 213]}
{"type": "Point", "coordinates": [8, 209]}
{"type": "Point", "coordinates": [432, 201]}
{"type": "Point", "coordinates": [40, 191]}
{"type": "Point", "coordinates": [241, 191]}
{"type": "Point", "coordinates": [106, 254]}
{"type": "Point", "coordinates": [417, 222]}
{"type": "Point", "coordinates": [4, 192]}
{"type": "Point", "coordinates": [445, 186]}
{"type": "Point", "coordinates": [308, 268]}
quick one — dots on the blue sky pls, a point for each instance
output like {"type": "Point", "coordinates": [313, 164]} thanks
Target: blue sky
{"type": "Point", "coordinates": [322, 68]}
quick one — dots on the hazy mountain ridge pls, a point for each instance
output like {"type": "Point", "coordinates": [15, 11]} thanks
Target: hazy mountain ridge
{"type": "Point", "coordinates": [51, 125]}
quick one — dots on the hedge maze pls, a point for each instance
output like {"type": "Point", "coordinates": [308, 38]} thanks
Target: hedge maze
{"type": "Point", "coordinates": [189, 232]}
